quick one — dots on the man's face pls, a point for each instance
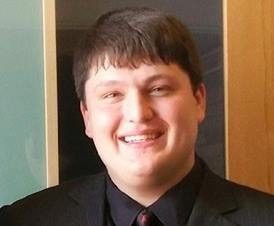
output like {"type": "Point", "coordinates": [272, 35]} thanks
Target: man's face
{"type": "Point", "coordinates": [143, 122]}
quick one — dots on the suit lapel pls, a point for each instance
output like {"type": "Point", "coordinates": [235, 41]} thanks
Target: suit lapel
{"type": "Point", "coordinates": [90, 196]}
{"type": "Point", "coordinates": [215, 199]}
{"type": "Point", "coordinates": [208, 218]}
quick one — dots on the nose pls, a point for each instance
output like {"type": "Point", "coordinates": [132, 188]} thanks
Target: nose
{"type": "Point", "coordinates": [137, 108]}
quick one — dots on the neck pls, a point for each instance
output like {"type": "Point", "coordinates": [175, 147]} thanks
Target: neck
{"type": "Point", "coordinates": [148, 192]}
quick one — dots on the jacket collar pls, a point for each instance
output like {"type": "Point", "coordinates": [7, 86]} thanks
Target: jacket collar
{"type": "Point", "coordinates": [90, 196]}
{"type": "Point", "coordinates": [215, 199]}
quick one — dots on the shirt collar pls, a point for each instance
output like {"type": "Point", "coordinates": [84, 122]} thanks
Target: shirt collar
{"type": "Point", "coordinates": [175, 206]}
{"type": "Point", "coordinates": [123, 209]}
{"type": "Point", "coordinates": [172, 209]}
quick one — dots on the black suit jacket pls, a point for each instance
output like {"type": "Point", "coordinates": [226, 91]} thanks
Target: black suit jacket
{"type": "Point", "coordinates": [82, 203]}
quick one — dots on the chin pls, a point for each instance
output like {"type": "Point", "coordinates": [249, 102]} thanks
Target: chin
{"type": "Point", "coordinates": [143, 172]}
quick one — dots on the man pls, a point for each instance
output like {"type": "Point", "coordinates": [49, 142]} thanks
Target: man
{"type": "Point", "coordinates": [138, 78]}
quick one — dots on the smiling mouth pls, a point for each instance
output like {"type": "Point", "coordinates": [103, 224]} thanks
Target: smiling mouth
{"type": "Point", "coordinates": [141, 138]}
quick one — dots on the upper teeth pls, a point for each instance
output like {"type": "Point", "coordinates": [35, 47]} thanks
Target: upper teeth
{"type": "Point", "coordinates": [140, 138]}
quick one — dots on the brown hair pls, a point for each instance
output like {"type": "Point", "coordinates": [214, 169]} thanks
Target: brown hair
{"type": "Point", "coordinates": [130, 36]}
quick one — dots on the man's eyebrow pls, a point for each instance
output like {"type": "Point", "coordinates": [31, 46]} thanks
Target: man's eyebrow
{"type": "Point", "coordinates": [148, 80]}
{"type": "Point", "coordinates": [108, 83]}
{"type": "Point", "coordinates": [156, 77]}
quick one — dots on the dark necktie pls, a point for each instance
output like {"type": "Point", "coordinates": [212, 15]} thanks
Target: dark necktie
{"type": "Point", "coordinates": [147, 218]}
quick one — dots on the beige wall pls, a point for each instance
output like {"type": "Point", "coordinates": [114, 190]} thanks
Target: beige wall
{"type": "Point", "coordinates": [50, 83]}
{"type": "Point", "coordinates": [249, 76]}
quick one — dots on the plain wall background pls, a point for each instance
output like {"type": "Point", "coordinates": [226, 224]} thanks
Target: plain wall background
{"type": "Point", "coordinates": [22, 121]}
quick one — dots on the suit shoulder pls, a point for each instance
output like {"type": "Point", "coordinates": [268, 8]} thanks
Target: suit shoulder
{"type": "Point", "coordinates": [246, 204]}
{"type": "Point", "coordinates": [236, 203]}
{"type": "Point", "coordinates": [251, 196]}
{"type": "Point", "coordinates": [243, 193]}
{"type": "Point", "coordinates": [50, 201]}
{"type": "Point", "coordinates": [254, 207]}
{"type": "Point", "coordinates": [57, 192]}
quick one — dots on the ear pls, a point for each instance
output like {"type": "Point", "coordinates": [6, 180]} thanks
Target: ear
{"type": "Point", "coordinates": [200, 96]}
{"type": "Point", "coordinates": [86, 118]}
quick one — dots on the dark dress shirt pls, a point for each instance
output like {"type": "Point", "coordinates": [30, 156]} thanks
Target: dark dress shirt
{"type": "Point", "coordinates": [172, 209]}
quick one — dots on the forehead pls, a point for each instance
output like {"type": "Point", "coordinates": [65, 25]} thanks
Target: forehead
{"type": "Point", "coordinates": [142, 73]}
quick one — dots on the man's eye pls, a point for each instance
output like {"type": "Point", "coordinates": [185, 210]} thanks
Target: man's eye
{"type": "Point", "coordinates": [112, 95]}
{"type": "Point", "coordinates": [160, 91]}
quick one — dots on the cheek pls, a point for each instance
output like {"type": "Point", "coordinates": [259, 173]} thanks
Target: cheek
{"type": "Point", "coordinates": [104, 121]}
{"type": "Point", "coordinates": [104, 126]}
{"type": "Point", "coordinates": [173, 111]}
{"type": "Point", "coordinates": [180, 116]}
